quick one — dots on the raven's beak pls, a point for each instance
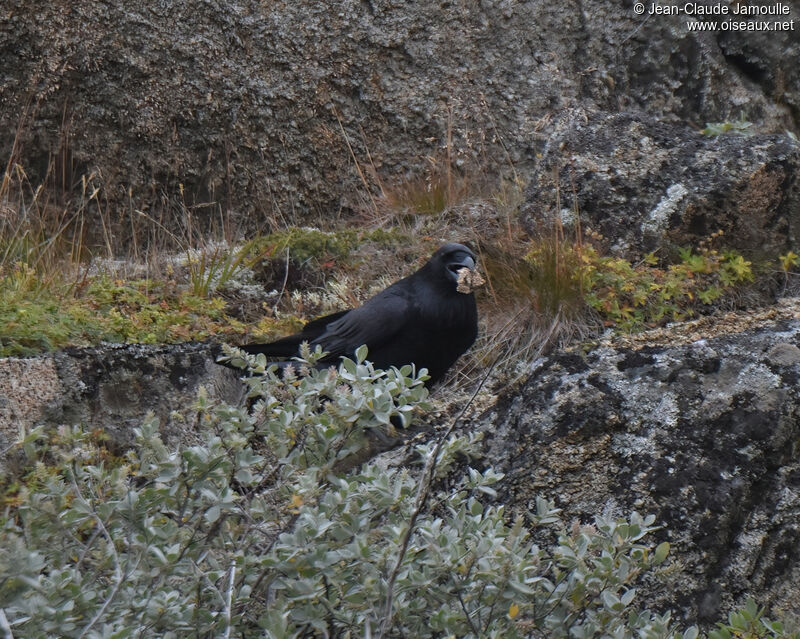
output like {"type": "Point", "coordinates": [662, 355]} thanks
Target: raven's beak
{"type": "Point", "coordinates": [461, 261]}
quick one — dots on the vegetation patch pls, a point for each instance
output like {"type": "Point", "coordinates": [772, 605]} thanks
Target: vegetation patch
{"type": "Point", "coordinates": [632, 296]}
{"type": "Point", "coordinates": [572, 276]}
{"type": "Point", "coordinates": [256, 531]}
{"type": "Point", "coordinates": [38, 318]}
{"type": "Point", "coordinates": [715, 129]}
{"type": "Point", "coordinates": [304, 244]}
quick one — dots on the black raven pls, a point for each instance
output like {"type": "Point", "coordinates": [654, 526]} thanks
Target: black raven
{"type": "Point", "coordinates": [428, 318]}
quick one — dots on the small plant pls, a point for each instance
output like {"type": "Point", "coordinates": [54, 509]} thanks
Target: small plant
{"type": "Point", "coordinates": [211, 269]}
{"type": "Point", "coordinates": [750, 623]}
{"type": "Point", "coordinates": [789, 261]}
{"type": "Point", "coordinates": [634, 295]}
{"type": "Point", "coordinates": [715, 129]}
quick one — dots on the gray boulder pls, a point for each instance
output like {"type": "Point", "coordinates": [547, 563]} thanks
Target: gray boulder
{"type": "Point", "coordinates": [109, 388]}
{"type": "Point", "coordinates": [646, 184]}
{"type": "Point", "coordinates": [702, 432]}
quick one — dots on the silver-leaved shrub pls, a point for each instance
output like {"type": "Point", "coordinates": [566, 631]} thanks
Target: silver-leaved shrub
{"type": "Point", "coordinates": [266, 527]}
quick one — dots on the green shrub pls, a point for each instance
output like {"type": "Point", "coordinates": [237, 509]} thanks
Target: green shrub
{"type": "Point", "coordinates": [632, 295]}
{"type": "Point", "coordinates": [257, 531]}
{"type": "Point", "coordinates": [567, 275]}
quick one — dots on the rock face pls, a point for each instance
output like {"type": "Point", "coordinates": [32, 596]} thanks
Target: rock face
{"type": "Point", "coordinates": [255, 106]}
{"type": "Point", "coordinates": [646, 184]}
{"type": "Point", "coordinates": [702, 434]}
{"type": "Point", "coordinates": [111, 388]}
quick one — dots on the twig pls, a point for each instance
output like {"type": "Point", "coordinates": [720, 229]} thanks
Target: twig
{"type": "Point", "coordinates": [228, 598]}
{"type": "Point", "coordinates": [422, 495]}
{"type": "Point", "coordinates": [117, 568]}
{"type": "Point", "coordinates": [4, 626]}
{"type": "Point", "coordinates": [634, 32]}
{"type": "Point", "coordinates": [355, 161]}
{"type": "Point", "coordinates": [283, 286]}
{"type": "Point", "coordinates": [467, 615]}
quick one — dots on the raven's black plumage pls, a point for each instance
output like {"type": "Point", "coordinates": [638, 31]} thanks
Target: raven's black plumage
{"type": "Point", "coordinates": [421, 319]}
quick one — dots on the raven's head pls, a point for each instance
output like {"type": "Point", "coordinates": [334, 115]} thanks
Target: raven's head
{"type": "Point", "coordinates": [450, 259]}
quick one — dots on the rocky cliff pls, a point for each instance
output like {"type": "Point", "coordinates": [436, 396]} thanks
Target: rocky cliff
{"type": "Point", "coordinates": [264, 108]}
{"type": "Point", "coordinates": [283, 110]}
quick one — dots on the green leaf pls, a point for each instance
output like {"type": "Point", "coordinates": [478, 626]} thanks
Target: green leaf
{"type": "Point", "coordinates": [661, 552]}
{"type": "Point", "coordinates": [212, 514]}
{"type": "Point", "coordinates": [691, 633]}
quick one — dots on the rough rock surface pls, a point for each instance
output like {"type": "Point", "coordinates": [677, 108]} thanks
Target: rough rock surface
{"type": "Point", "coordinates": [111, 388]}
{"type": "Point", "coordinates": [646, 184]}
{"type": "Point", "coordinates": [256, 105]}
{"type": "Point", "coordinates": [702, 434]}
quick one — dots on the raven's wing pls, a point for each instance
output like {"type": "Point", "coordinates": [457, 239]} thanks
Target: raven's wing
{"type": "Point", "coordinates": [290, 346]}
{"type": "Point", "coordinates": [373, 324]}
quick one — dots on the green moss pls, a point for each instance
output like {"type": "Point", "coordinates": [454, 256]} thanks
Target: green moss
{"type": "Point", "coordinates": [385, 237]}
{"type": "Point", "coordinates": [53, 316]}
{"type": "Point", "coordinates": [307, 243]}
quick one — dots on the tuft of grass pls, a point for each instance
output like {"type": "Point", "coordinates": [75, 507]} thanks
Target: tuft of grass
{"type": "Point", "coordinates": [440, 187]}
{"type": "Point", "coordinates": [210, 270]}
{"type": "Point", "coordinates": [557, 276]}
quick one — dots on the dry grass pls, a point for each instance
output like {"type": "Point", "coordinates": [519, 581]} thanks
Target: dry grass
{"type": "Point", "coordinates": [532, 299]}
{"type": "Point", "coordinates": [527, 305]}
